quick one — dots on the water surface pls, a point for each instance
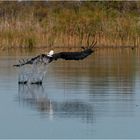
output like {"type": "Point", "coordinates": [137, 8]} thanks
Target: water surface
{"type": "Point", "coordinates": [94, 98]}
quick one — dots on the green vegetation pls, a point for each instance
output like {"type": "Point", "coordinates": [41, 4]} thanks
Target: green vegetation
{"type": "Point", "coordinates": [69, 24]}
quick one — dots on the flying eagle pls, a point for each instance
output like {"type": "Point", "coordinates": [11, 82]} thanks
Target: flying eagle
{"type": "Point", "coordinates": [51, 56]}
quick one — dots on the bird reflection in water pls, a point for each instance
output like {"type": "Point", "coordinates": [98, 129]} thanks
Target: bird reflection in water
{"type": "Point", "coordinates": [36, 97]}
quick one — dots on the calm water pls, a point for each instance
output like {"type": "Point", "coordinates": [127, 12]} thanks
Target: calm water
{"type": "Point", "coordinates": [98, 97]}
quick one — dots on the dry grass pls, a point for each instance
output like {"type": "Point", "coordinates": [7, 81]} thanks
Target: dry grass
{"type": "Point", "coordinates": [40, 26]}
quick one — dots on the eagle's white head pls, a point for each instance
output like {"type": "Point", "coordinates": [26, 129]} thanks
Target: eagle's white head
{"type": "Point", "coordinates": [50, 53]}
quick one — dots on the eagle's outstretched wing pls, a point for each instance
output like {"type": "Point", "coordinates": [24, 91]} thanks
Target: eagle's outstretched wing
{"type": "Point", "coordinates": [75, 55]}
{"type": "Point", "coordinates": [72, 55]}
{"type": "Point", "coordinates": [43, 58]}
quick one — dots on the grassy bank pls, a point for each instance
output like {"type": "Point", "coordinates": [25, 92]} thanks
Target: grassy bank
{"type": "Point", "coordinates": [69, 24]}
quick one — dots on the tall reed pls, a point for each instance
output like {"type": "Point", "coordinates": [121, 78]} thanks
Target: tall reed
{"type": "Point", "coordinates": [62, 24]}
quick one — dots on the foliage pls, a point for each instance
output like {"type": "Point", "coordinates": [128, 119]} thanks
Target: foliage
{"type": "Point", "coordinates": [43, 23]}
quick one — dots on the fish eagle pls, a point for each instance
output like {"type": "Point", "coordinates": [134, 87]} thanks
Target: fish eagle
{"type": "Point", "coordinates": [51, 56]}
{"type": "Point", "coordinates": [37, 72]}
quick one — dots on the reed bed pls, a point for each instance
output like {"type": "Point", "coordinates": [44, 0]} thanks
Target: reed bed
{"type": "Point", "coordinates": [68, 24]}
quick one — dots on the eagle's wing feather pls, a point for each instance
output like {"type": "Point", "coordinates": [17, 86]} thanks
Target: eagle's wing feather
{"type": "Point", "coordinates": [72, 55]}
{"type": "Point", "coordinates": [40, 58]}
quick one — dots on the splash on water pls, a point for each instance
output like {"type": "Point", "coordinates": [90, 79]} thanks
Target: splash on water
{"type": "Point", "coordinates": [33, 74]}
